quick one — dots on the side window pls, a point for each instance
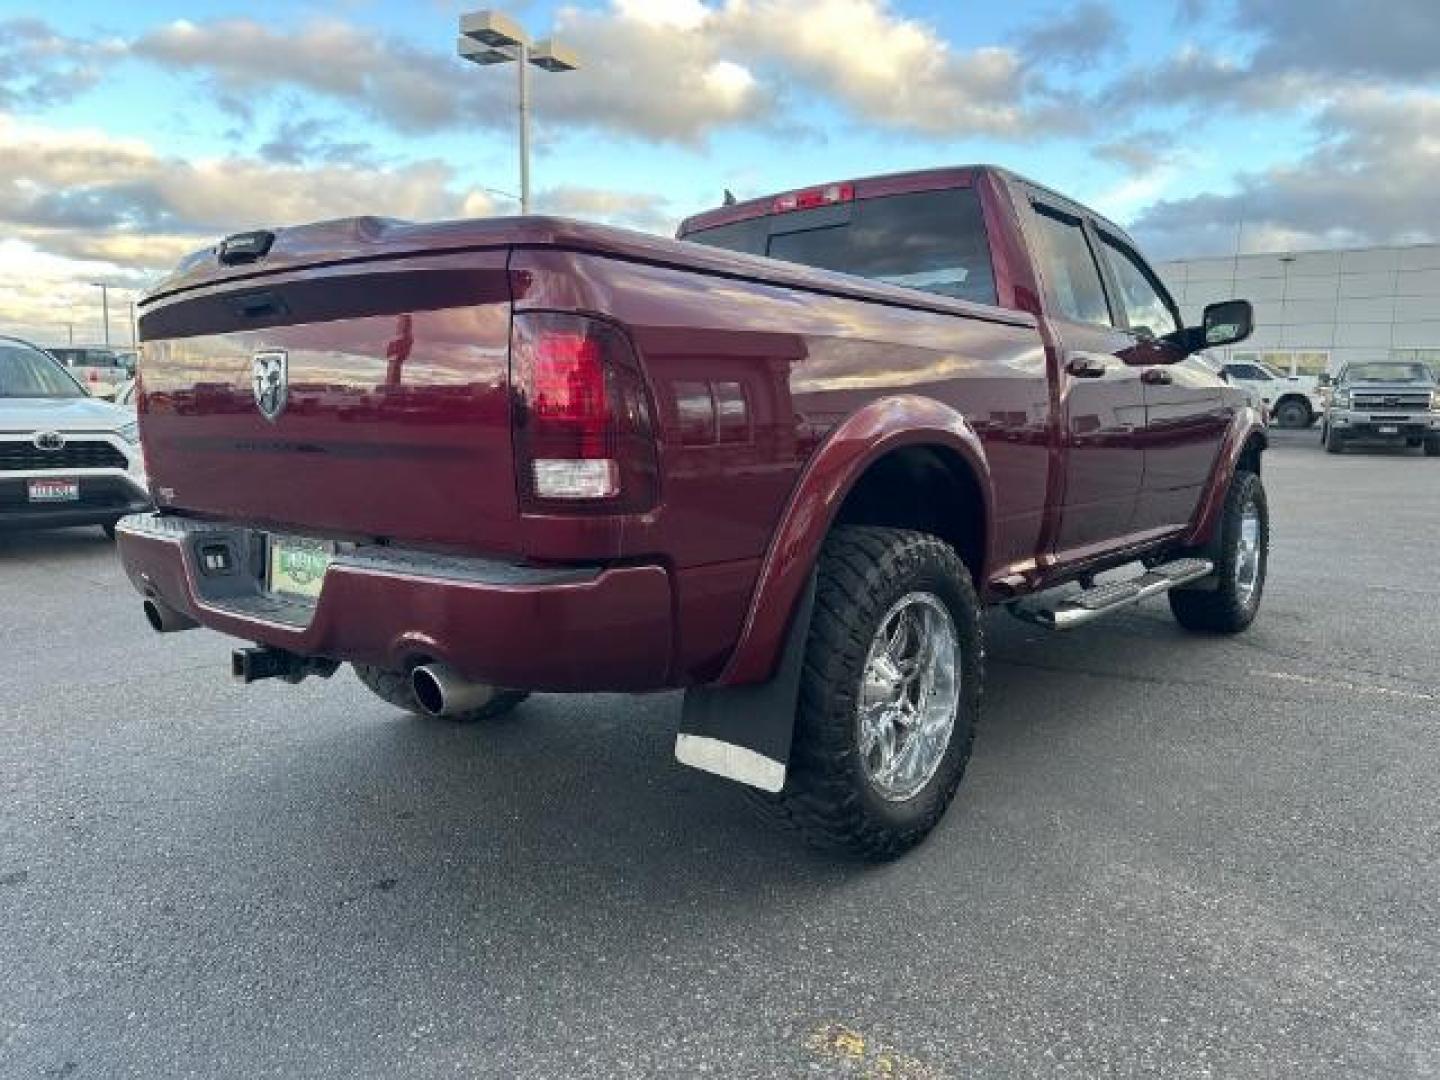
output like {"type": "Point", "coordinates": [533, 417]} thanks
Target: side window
{"type": "Point", "coordinates": [1248, 372]}
{"type": "Point", "coordinates": [1069, 268]}
{"type": "Point", "coordinates": [1144, 306]}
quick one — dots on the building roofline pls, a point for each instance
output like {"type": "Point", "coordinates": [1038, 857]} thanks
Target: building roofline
{"type": "Point", "coordinates": [1297, 252]}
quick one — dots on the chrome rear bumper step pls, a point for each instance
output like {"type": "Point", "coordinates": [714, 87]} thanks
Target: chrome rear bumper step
{"type": "Point", "coordinates": [1077, 609]}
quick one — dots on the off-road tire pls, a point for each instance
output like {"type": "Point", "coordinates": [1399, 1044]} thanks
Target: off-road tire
{"type": "Point", "coordinates": [827, 797]}
{"type": "Point", "coordinates": [1432, 447]}
{"type": "Point", "coordinates": [1293, 413]}
{"type": "Point", "coordinates": [394, 687]}
{"type": "Point", "coordinates": [1334, 444]}
{"type": "Point", "coordinates": [1220, 610]}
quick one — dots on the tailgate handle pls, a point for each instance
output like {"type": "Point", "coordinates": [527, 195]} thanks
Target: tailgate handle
{"type": "Point", "coordinates": [259, 305]}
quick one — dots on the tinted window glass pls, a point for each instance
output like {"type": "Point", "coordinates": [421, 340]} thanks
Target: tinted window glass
{"type": "Point", "coordinates": [1069, 268]}
{"type": "Point", "coordinates": [934, 241]}
{"type": "Point", "coordinates": [1143, 305]}
{"type": "Point", "coordinates": [1399, 373]}
{"type": "Point", "coordinates": [29, 373]}
{"type": "Point", "coordinates": [747, 236]}
{"type": "Point", "coordinates": [1247, 371]}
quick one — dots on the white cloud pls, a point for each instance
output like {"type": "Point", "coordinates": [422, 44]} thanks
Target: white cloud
{"type": "Point", "coordinates": [1368, 180]}
{"type": "Point", "coordinates": [78, 206]}
{"type": "Point", "coordinates": [640, 74]}
{"type": "Point", "coordinates": [48, 298]}
{"type": "Point", "coordinates": [670, 14]}
{"type": "Point", "coordinates": [90, 182]}
{"type": "Point", "coordinates": [663, 70]}
{"type": "Point", "coordinates": [41, 67]}
{"type": "Point", "coordinates": [635, 209]}
{"type": "Point", "coordinates": [885, 68]}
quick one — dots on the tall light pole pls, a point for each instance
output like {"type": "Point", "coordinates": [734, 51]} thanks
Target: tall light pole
{"type": "Point", "coordinates": [104, 308]}
{"type": "Point", "coordinates": [492, 37]}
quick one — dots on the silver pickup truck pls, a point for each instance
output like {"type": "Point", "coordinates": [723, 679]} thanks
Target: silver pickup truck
{"type": "Point", "coordinates": [1384, 401]}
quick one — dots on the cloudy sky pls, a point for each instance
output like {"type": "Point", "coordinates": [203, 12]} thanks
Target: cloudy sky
{"type": "Point", "coordinates": [130, 134]}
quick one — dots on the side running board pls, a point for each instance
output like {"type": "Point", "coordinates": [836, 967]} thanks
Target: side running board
{"type": "Point", "coordinates": [1077, 609]}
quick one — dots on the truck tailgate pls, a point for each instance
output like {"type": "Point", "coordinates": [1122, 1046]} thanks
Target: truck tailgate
{"type": "Point", "coordinates": [388, 383]}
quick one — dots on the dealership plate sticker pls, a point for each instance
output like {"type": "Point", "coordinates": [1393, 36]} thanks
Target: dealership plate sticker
{"type": "Point", "coordinates": [297, 565]}
{"type": "Point", "coordinates": [52, 490]}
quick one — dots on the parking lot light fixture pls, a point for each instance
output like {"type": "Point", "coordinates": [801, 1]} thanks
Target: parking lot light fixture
{"type": "Point", "coordinates": [493, 28]}
{"type": "Point", "coordinates": [550, 55]}
{"type": "Point", "coordinates": [492, 37]}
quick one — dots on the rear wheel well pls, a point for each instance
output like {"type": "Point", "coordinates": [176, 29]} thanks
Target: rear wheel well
{"type": "Point", "coordinates": [930, 489]}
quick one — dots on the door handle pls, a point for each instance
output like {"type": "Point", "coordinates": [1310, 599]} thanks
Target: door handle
{"type": "Point", "coordinates": [1086, 365]}
{"type": "Point", "coordinates": [1156, 377]}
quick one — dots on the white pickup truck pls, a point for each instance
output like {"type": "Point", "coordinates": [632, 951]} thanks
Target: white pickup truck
{"type": "Point", "coordinates": [1293, 400]}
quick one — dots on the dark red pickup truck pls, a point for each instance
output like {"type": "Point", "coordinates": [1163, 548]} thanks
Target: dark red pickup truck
{"type": "Point", "coordinates": [783, 462]}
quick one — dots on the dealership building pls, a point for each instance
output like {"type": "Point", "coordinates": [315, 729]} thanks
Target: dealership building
{"type": "Point", "coordinates": [1318, 310]}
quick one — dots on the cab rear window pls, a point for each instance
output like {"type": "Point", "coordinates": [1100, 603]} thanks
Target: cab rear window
{"type": "Point", "coordinates": [934, 241]}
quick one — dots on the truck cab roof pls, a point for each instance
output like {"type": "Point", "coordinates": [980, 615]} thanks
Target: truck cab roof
{"type": "Point", "coordinates": [869, 187]}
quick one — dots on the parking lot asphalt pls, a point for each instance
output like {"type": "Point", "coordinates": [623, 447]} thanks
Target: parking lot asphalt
{"type": "Point", "coordinates": [1173, 855]}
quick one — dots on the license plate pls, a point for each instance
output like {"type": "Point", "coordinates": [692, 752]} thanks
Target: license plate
{"type": "Point", "coordinates": [1389, 429]}
{"type": "Point", "coordinates": [297, 566]}
{"type": "Point", "coordinates": [49, 490]}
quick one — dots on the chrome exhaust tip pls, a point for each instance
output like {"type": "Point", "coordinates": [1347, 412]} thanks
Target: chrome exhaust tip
{"type": "Point", "coordinates": [442, 691]}
{"type": "Point", "coordinates": [164, 619]}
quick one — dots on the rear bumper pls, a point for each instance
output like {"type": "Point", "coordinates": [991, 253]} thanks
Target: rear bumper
{"type": "Point", "coordinates": [578, 629]}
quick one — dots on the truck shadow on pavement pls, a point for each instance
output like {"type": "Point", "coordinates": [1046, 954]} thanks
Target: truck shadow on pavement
{"type": "Point", "coordinates": [65, 544]}
{"type": "Point", "coordinates": [576, 805]}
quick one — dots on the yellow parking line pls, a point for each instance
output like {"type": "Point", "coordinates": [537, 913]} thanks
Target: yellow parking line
{"type": "Point", "coordinates": [1349, 687]}
{"type": "Point", "coordinates": [859, 1056]}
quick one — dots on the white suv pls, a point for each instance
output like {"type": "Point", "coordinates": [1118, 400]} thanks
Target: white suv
{"type": "Point", "coordinates": [65, 458]}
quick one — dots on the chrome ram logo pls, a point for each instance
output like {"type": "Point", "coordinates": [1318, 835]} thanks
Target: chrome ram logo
{"type": "Point", "coordinates": [271, 376]}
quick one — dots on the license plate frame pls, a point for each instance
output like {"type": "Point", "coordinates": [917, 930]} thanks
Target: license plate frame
{"type": "Point", "coordinates": [47, 490]}
{"type": "Point", "coordinates": [295, 566]}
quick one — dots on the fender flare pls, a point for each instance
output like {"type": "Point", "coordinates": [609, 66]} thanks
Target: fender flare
{"type": "Point", "coordinates": [877, 429]}
{"type": "Point", "coordinates": [1247, 425]}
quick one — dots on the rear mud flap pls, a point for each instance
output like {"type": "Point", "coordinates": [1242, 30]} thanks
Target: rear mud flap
{"type": "Point", "coordinates": [743, 733]}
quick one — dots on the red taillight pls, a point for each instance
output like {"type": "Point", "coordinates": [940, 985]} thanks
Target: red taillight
{"type": "Point", "coordinates": [568, 392]}
{"type": "Point", "coordinates": [583, 431]}
{"type": "Point", "coordinates": [810, 198]}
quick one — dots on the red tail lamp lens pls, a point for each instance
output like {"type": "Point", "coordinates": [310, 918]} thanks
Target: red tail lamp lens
{"type": "Point", "coordinates": [583, 431]}
{"type": "Point", "coordinates": [568, 391]}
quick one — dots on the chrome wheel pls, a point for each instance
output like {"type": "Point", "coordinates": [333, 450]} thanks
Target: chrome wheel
{"type": "Point", "coordinates": [1248, 554]}
{"type": "Point", "coordinates": [909, 693]}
